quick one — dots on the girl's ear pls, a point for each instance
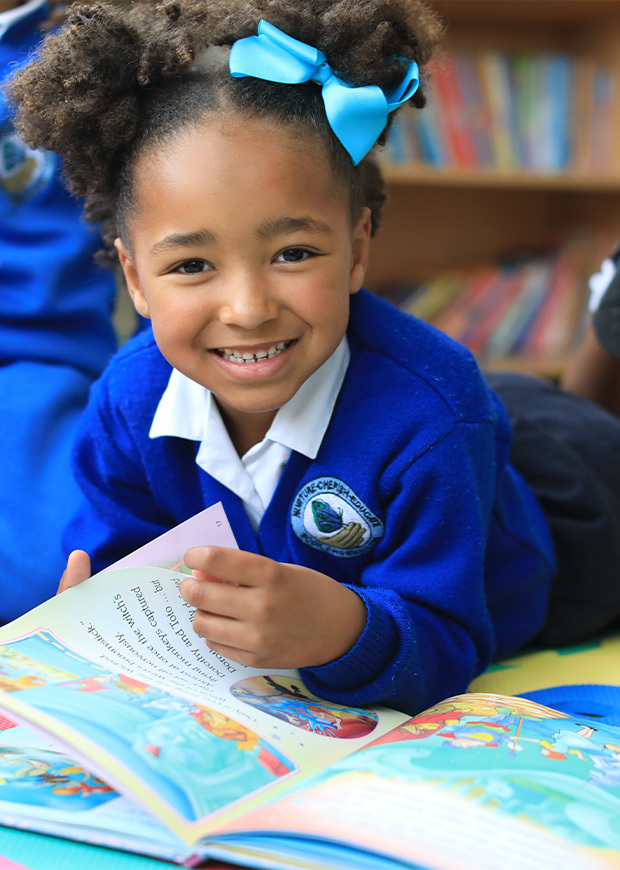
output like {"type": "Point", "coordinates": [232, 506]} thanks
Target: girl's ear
{"type": "Point", "coordinates": [131, 279]}
{"type": "Point", "coordinates": [360, 248]}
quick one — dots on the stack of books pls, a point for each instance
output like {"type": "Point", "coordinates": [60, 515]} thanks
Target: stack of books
{"type": "Point", "coordinates": [530, 306]}
{"type": "Point", "coordinates": [540, 112]}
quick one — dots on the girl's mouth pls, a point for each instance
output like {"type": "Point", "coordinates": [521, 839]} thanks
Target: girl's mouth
{"type": "Point", "coordinates": [245, 357]}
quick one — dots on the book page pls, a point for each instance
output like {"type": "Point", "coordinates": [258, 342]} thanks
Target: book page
{"type": "Point", "coordinates": [476, 783]}
{"type": "Point", "coordinates": [66, 798]}
{"type": "Point", "coordinates": [113, 671]}
{"type": "Point", "coordinates": [209, 527]}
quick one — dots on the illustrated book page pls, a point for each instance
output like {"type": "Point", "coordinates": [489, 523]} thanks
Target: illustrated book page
{"type": "Point", "coordinates": [113, 675]}
{"type": "Point", "coordinates": [478, 782]}
{"type": "Point", "coordinates": [120, 727]}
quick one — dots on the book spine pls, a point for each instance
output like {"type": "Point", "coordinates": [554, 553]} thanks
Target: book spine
{"type": "Point", "coordinates": [602, 144]}
{"type": "Point", "coordinates": [397, 149]}
{"type": "Point", "coordinates": [476, 110]}
{"type": "Point", "coordinates": [435, 294]}
{"type": "Point", "coordinates": [454, 318]}
{"type": "Point", "coordinates": [457, 133]}
{"type": "Point", "coordinates": [582, 114]}
{"type": "Point", "coordinates": [560, 88]}
{"type": "Point", "coordinates": [424, 126]}
{"type": "Point", "coordinates": [555, 331]}
{"type": "Point", "coordinates": [500, 297]}
{"type": "Point", "coordinates": [539, 342]}
{"type": "Point", "coordinates": [494, 76]}
{"type": "Point", "coordinates": [524, 78]}
{"type": "Point", "coordinates": [510, 338]}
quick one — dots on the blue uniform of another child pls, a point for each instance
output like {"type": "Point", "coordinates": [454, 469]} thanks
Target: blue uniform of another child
{"type": "Point", "coordinates": [56, 336]}
{"type": "Point", "coordinates": [410, 500]}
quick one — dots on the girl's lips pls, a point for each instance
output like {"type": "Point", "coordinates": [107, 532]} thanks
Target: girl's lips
{"type": "Point", "coordinates": [259, 363]}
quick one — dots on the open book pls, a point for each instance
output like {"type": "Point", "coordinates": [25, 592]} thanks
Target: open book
{"type": "Point", "coordinates": [121, 728]}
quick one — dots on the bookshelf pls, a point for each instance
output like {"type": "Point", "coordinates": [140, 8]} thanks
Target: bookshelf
{"type": "Point", "coordinates": [441, 218]}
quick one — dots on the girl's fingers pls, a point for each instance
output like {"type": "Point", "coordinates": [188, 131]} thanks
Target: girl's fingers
{"type": "Point", "coordinates": [77, 570]}
{"type": "Point", "coordinates": [216, 597]}
{"type": "Point", "coordinates": [233, 654]}
{"type": "Point", "coordinates": [237, 567]}
{"type": "Point", "coordinates": [221, 631]}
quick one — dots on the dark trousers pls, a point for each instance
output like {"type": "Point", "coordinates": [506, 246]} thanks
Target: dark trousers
{"type": "Point", "coordinates": [568, 450]}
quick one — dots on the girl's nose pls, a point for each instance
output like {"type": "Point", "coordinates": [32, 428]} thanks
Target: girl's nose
{"type": "Point", "coordinates": [249, 304]}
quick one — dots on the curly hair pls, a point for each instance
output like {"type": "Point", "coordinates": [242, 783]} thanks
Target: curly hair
{"type": "Point", "coordinates": [114, 81]}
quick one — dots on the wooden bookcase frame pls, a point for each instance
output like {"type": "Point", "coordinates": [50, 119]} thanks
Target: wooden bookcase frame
{"type": "Point", "coordinates": [440, 219]}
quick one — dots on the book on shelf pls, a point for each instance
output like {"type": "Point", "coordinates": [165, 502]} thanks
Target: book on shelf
{"type": "Point", "coordinates": [558, 326]}
{"type": "Point", "coordinates": [496, 86]}
{"type": "Point", "coordinates": [455, 132]}
{"type": "Point", "coordinates": [558, 73]}
{"type": "Point", "coordinates": [476, 111]}
{"type": "Point", "coordinates": [434, 297]}
{"type": "Point", "coordinates": [121, 728]}
{"type": "Point", "coordinates": [529, 305]}
{"type": "Point", "coordinates": [538, 111]}
{"type": "Point", "coordinates": [602, 119]}
{"type": "Point", "coordinates": [582, 114]}
{"type": "Point", "coordinates": [494, 309]}
{"type": "Point", "coordinates": [525, 85]}
{"type": "Point", "coordinates": [453, 319]}
{"type": "Point", "coordinates": [416, 138]}
{"type": "Point", "coordinates": [517, 318]}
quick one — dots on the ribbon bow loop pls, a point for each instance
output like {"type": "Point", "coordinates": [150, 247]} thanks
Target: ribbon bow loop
{"type": "Point", "coordinates": [274, 56]}
{"type": "Point", "coordinates": [357, 115]}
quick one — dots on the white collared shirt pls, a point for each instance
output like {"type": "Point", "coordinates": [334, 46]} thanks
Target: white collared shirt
{"type": "Point", "coordinates": [189, 410]}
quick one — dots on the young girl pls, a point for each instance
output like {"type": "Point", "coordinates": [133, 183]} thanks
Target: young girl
{"type": "Point", "coordinates": [388, 548]}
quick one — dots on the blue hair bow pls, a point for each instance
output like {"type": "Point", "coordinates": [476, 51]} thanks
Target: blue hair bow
{"type": "Point", "coordinates": [357, 116]}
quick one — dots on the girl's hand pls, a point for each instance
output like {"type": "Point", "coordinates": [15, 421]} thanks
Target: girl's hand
{"type": "Point", "coordinates": [263, 613]}
{"type": "Point", "coordinates": [77, 570]}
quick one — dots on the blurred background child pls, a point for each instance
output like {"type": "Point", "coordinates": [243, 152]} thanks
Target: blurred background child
{"type": "Point", "coordinates": [56, 335]}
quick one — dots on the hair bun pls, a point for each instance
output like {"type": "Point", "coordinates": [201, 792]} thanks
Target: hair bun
{"type": "Point", "coordinates": [88, 93]}
{"type": "Point", "coordinates": [367, 41]}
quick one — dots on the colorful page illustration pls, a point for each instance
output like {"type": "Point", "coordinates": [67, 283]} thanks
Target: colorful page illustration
{"type": "Point", "coordinates": [44, 776]}
{"type": "Point", "coordinates": [475, 783]}
{"type": "Point", "coordinates": [37, 778]}
{"type": "Point", "coordinates": [112, 670]}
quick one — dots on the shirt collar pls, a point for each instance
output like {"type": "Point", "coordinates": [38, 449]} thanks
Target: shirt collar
{"type": "Point", "coordinates": [13, 16]}
{"type": "Point", "coordinates": [188, 410]}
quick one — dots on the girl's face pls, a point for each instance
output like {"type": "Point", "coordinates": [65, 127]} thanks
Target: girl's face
{"type": "Point", "coordinates": [242, 248]}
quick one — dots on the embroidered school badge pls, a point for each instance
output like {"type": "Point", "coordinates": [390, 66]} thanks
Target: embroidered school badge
{"type": "Point", "coordinates": [328, 515]}
{"type": "Point", "coordinates": [23, 172]}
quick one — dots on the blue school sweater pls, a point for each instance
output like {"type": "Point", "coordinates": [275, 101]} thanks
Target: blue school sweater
{"type": "Point", "coordinates": [56, 336]}
{"type": "Point", "coordinates": [410, 501]}
{"type": "Point", "coordinates": [55, 302]}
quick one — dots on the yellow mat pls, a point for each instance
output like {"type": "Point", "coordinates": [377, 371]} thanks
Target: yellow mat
{"type": "Point", "coordinates": [597, 661]}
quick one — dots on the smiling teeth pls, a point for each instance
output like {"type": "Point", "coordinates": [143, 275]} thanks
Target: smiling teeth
{"type": "Point", "coordinates": [237, 356]}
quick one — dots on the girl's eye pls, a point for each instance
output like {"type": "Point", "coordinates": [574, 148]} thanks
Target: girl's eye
{"type": "Point", "coordinates": [293, 255]}
{"type": "Point", "coordinates": [193, 267]}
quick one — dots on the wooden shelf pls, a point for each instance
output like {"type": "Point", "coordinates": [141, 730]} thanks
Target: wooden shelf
{"type": "Point", "coordinates": [542, 13]}
{"type": "Point", "coordinates": [440, 219]}
{"type": "Point", "coordinates": [550, 369]}
{"type": "Point", "coordinates": [395, 173]}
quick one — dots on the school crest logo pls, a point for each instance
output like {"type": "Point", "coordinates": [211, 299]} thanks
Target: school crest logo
{"type": "Point", "coordinates": [23, 172]}
{"type": "Point", "coordinates": [328, 515]}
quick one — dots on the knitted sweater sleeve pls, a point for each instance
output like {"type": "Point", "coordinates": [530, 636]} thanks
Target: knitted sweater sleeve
{"type": "Point", "coordinates": [119, 512]}
{"type": "Point", "coordinates": [430, 628]}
